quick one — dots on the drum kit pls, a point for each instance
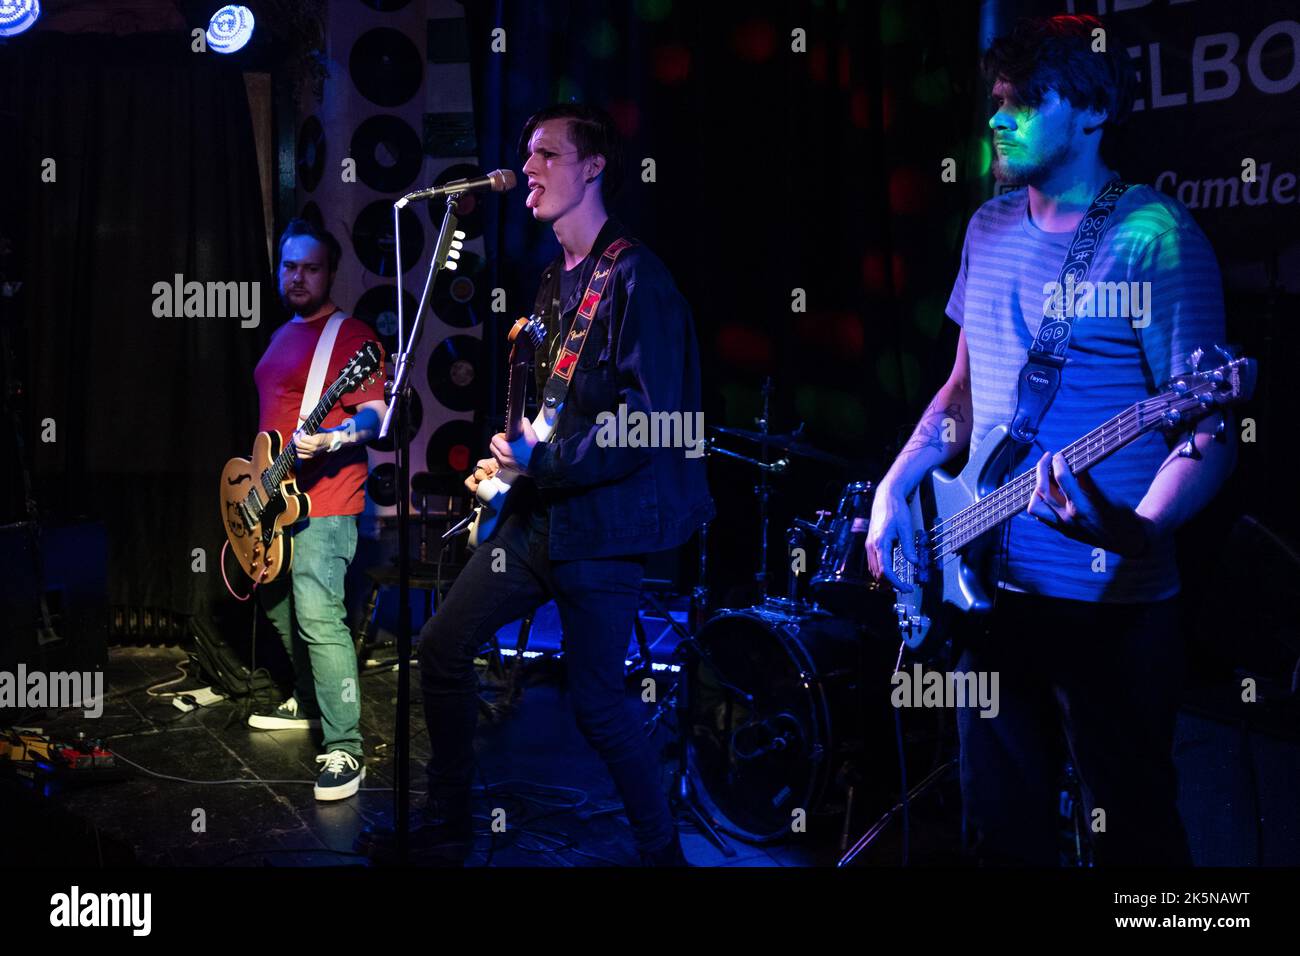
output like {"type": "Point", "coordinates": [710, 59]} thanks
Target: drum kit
{"type": "Point", "coordinates": [782, 703]}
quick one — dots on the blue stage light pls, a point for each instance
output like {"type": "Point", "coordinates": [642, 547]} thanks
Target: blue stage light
{"type": "Point", "coordinates": [17, 16]}
{"type": "Point", "coordinates": [230, 29]}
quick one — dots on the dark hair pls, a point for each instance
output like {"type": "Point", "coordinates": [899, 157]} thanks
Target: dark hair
{"type": "Point", "coordinates": [592, 131]}
{"type": "Point", "coordinates": [1055, 53]}
{"type": "Point", "coordinates": [305, 227]}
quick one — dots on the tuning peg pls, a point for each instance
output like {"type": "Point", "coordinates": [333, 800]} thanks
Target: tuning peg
{"type": "Point", "coordinates": [1189, 450]}
{"type": "Point", "coordinates": [1225, 353]}
{"type": "Point", "coordinates": [1197, 356]}
{"type": "Point", "coordinates": [1221, 428]}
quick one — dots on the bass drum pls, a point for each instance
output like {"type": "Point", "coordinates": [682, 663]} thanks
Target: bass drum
{"type": "Point", "coordinates": [773, 710]}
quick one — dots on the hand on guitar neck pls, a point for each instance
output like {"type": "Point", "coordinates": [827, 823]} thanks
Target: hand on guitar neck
{"type": "Point", "coordinates": [1075, 506]}
{"type": "Point", "coordinates": [512, 449]}
{"type": "Point", "coordinates": [514, 454]}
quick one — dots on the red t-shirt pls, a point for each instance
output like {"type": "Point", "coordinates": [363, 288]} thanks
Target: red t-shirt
{"type": "Point", "coordinates": [336, 481]}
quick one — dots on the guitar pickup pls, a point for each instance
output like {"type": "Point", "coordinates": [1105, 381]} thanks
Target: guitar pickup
{"type": "Point", "coordinates": [922, 545]}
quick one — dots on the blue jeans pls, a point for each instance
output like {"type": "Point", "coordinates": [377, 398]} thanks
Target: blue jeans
{"type": "Point", "coordinates": [508, 577]}
{"type": "Point", "coordinates": [324, 660]}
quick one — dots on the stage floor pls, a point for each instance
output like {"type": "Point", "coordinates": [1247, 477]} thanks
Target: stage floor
{"type": "Point", "coordinates": [203, 789]}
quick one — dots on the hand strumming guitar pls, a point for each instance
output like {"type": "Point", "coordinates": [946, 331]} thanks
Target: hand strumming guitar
{"type": "Point", "coordinates": [485, 469]}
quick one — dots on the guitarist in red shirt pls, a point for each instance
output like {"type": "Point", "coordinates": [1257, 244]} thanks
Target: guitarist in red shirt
{"type": "Point", "coordinates": [306, 605]}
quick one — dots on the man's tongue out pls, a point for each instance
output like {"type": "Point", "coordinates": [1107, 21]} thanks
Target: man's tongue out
{"type": "Point", "coordinates": [535, 196]}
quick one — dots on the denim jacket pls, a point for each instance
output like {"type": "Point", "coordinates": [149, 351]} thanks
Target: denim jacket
{"type": "Point", "coordinates": [622, 498]}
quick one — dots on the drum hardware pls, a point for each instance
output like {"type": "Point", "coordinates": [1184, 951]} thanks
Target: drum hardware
{"type": "Point", "coordinates": [683, 799]}
{"type": "Point", "coordinates": [843, 582]}
{"type": "Point", "coordinates": [788, 443]}
{"type": "Point", "coordinates": [771, 713]}
{"type": "Point", "coordinates": [925, 786]}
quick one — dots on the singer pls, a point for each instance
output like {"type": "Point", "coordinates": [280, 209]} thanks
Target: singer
{"type": "Point", "coordinates": [579, 531]}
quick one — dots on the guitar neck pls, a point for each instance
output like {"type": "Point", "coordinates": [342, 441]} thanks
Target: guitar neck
{"type": "Point", "coordinates": [957, 530]}
{"type": "Point", "coordinates": [518, 379]}
{"type": "Point", "coordinates": [283, 463]}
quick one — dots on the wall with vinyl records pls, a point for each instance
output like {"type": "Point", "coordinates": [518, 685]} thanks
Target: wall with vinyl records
{"type": "Point", "coordinates": [397, 104]}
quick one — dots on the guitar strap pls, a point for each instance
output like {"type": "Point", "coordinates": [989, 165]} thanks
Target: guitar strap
{"type": "Point", "coordinates": [1041, 375]}
{"type": "Point", "coordinates": [320, 363]}
{"type": "Point", "coordinates": [557, 385]}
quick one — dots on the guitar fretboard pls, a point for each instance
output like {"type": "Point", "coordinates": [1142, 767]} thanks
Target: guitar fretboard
{"type": "Point", "coordinates": [959, 529]}
{"type": "Point", "coordinates": [272, 477]}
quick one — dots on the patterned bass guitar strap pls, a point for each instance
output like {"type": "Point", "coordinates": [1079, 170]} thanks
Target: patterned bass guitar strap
{"type": "Point", "coordinates": [1041, 375]}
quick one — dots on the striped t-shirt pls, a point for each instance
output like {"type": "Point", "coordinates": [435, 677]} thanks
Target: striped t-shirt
{"type": "Point", "coordinates": [1112, 362]}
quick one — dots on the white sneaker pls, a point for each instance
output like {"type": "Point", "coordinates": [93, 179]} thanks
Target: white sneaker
{"type": "Point", "coordinates": [285, 717]}
{"type": "Point", "coordinates": [340, 776]}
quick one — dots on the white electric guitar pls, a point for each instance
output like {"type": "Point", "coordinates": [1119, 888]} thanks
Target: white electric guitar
{"type": "Point", "coordinates": [526, 337]}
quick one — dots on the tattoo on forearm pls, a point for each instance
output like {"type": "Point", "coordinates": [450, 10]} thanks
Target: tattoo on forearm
{"type": "Point", "coordinates": [929, 433]}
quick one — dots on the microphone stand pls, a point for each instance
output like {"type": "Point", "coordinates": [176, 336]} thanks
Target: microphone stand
{"type": "Point", "coordinates": [399, 393]}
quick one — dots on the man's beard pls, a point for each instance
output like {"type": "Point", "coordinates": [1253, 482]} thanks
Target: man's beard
{"type": "Point", "coordinates": [1011, 171]}
{"type": "Point", "coordinates": [304, 307]}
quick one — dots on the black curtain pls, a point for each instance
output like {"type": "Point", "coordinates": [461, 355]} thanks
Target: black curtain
{"type": "Point", "coordinates": [154, 175]}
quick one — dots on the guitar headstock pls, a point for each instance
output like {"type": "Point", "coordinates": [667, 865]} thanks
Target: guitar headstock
{"type": "Point", "coordinates": [526, 337]}
{"type": "Point", "coordinates": [1204, 390]}
{"type": "Point", "coordinates": [361, 366]}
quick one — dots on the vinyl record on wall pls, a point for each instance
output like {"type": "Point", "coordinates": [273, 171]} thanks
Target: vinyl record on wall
{"type": "Point", "coordinates": [311, 212]}
{"type": "Point", "coordinates": [386, 66]}
{"type": "Point", "coordinates": [454, 292]}
{"type": "Point", "coordinates": [450, 134]}
{"type": "Point", "coordinates": [387, 152]}
{"type": "Point", "coordinates": [311, 153]}
{"type": "Point", "coordinates": [377, 307]}
{"type": "Point", "coordinates": [413, 422]}
{"type": "Point", "coordinates": [454, 375]}
{"type": "Point", "coordinates": [372, 237]}
{"type": "Point", "coordinates": [381, 486]}
{"type": "Point", "coordinates": [470, 206]}
{"type": "Point", "coordinates": [451, 454]}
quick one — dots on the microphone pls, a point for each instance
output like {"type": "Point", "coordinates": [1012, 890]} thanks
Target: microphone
{"type": "Point", "coordinates": [499, 181]}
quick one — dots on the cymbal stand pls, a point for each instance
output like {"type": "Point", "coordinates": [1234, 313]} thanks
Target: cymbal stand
{"type": "Point", "coordinates": [764, 487]}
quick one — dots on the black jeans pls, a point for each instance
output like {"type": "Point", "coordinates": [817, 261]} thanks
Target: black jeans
{"type": "Point", "coordinates": [597, 601]}
{"type": "Point", "coordinates": [1110, 676]}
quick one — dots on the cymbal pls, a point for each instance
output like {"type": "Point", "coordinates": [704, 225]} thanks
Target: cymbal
{"type": "Point", "coordinates": [787, 442]}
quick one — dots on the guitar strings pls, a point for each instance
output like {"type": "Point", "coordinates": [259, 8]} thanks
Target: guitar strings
{"type": "Point", "coordinates": [967, 524]}
{"type": "Point", "coordinates": [978, 517]}
{"type": "Point", "coordinates": [972, 521]}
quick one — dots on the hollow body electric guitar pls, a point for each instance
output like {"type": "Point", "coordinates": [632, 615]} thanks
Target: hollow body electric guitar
{"type": "Point", "coordinates": [526, 337]}
{"type": "Point", "coordinates": [260, 496]}
{"type": "Point", "coordinates": [958, 512]}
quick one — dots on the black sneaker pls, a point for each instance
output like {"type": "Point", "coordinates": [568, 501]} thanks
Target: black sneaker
{"type": "Point", "coordinates": [287, 716]}
{"type": "Point", "coordinates": [340, 777]}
